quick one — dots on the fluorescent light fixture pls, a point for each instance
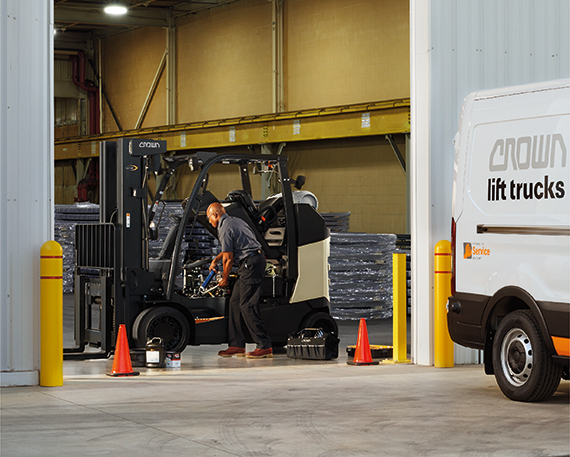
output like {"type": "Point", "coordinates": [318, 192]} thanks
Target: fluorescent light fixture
{"type": "Point", "coordinates": [116, 9]}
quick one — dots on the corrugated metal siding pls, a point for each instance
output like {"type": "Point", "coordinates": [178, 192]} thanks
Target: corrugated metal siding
{"type": "Point", "coordinates": [471, 45]}
{"type": "Point", "coordinates": [26, 179]}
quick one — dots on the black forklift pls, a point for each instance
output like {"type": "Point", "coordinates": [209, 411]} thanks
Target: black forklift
{"type": "Point", "coordinates": [117, 282]}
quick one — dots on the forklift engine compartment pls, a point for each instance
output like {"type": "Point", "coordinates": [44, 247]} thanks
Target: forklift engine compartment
{"type": "Point", "coordinates": [117, 283]}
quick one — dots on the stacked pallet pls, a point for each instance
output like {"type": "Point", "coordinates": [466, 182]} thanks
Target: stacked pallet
{"type": "Point", "coordinates": [337, 222]}
{"type": "Point", "coordinates": [66, 217]}
{"type": "Point", "coordinates": [361, 275]}
{"type": "Point", "coordinates": [202, 245]}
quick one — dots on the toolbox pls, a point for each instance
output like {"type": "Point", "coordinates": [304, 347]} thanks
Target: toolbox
{"type": "Point", "coordinates": [312, 344]}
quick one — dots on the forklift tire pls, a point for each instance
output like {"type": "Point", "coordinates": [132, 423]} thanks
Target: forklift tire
{"type": "Point", "coordinates": [165, 322]}
{"type": "Point", "coordinates": [320, 320]}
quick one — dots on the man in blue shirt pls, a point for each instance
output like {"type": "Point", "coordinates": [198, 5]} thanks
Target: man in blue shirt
{"type": "Point", "coordinates": [240, 247]}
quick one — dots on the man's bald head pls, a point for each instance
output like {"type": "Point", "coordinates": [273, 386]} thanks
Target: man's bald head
{"type": "Point", "coordinates": [214, 212]}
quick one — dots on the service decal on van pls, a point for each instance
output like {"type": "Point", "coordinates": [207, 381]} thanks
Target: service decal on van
{"type": "Point", "coordinates": [475, 251]}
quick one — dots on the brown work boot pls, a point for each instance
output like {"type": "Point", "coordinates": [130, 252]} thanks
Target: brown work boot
{"type": "Point", "coordinates": [260, 353]}
{"type": "Point", "coordinates": [232, 350]}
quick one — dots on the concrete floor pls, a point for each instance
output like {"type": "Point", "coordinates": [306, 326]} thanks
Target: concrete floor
{"type": "Point", "coordinates": [214, 406]}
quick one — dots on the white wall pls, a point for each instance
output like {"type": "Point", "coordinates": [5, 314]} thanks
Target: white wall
{"type": "Point", "coordinates": [26, 179]}
{"type": "Point", "coordinates": [457, 47]}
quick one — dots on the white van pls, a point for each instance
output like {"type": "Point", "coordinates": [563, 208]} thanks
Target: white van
{"type": "Point", "coordinates": [511, 233]}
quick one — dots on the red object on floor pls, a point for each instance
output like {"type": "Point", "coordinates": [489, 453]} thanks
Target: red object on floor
{"type": "Point", "coordinates": [362, 353]}
{"type": "Point", "coordinates": [122, 365]}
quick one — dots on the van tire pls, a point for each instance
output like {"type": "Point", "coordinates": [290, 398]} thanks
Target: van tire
{"type": "Point", "coordinates": [524, 369]}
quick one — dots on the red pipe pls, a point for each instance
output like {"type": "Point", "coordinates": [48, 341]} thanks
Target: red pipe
{"type": "Point", "coordinates": [88, 184]}
{"type": "Point", "coordinates": [78, 78]}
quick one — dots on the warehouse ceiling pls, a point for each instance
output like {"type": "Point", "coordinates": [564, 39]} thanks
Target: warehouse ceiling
{"type": "Point", "coordinates": [77, 22]}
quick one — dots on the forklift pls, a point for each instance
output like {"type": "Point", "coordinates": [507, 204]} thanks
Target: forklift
{"type": "Point", "coordinates": [117, 282]}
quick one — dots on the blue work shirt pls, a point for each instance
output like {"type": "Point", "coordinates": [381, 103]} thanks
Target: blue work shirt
{"type": "Point", "coordinates": [237, 237]}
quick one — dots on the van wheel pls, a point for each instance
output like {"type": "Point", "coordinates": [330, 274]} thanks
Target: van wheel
{"type": "Point", "coordinates": [523, 367]}
{"type": "Point", "coordinates": [164, 322]}
{"type": "Point", "coordinates": [321, 320]}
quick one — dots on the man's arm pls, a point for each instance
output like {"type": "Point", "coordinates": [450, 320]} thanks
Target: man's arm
{"type": "Point", "coordinates": [228, 263]}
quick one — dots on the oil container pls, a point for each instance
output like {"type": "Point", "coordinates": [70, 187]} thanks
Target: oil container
{"type": "Point", "coordinates": [172, 359]}
{"type": "Point", "coordinates": [155, 357]}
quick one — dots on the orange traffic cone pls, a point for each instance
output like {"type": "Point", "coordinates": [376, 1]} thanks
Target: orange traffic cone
{"type": "Point", "coordinates": [122, 360]}
{"type": "Point", "coordinates": [362, 353]}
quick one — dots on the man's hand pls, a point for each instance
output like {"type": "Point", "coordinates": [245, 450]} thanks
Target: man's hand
{"type": "Point", "coordinates": [223, 283]}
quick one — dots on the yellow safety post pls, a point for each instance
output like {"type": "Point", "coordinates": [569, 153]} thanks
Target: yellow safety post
{"type": "Point", "coordinates": [443, 345]}
{"type": "Point", "coordinates": [399, 308]}
{"type": "Point", "coordinates": [51, 316]}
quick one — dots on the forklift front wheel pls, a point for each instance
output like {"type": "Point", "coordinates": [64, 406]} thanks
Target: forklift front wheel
{"type": "Point", "coordinates": [320, 320]}
{"type": "Point", "coordinates": [165, 322]}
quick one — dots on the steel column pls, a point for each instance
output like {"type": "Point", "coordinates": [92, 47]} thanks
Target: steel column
{"type": "Point", "coordinates": [171, 73]}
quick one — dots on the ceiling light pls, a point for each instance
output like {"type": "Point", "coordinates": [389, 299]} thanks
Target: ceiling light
{"type": "Point", "coordinates": [116, 9]}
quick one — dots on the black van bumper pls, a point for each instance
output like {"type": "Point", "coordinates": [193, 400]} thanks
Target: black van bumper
{"type": "Point", "coordinates": [464, 319]}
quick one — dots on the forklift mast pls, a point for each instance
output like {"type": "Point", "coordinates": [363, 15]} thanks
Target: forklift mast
{"type": "Point", "coordinates": [112, 275]}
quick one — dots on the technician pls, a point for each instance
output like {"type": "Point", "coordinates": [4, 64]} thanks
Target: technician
{"type": "Point", "coordinates": [240, 246]}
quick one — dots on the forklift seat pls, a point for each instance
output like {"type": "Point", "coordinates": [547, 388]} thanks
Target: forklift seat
{"type": "Point", "coordinates": [261, 217]}
{"type": "Point", "coordinates": [240, 204]}
{"type": "Point", "coordinates": [245, 200]}
{"type": "Point", "coordinates": [273, 204]}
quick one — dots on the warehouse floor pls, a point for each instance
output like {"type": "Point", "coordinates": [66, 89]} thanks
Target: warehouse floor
{"type": "Point", "coordinates": [215, 406]}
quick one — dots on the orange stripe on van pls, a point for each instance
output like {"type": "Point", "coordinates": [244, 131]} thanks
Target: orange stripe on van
{"type": "Point", "coordinates": [562, 345]}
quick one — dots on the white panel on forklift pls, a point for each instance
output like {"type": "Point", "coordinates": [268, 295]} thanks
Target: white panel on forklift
{"type": "Point", "coordinates": [313, 272]}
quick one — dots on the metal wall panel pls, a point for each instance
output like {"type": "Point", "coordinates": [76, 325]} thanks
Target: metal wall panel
{"type": "Point", "coordinates": [470, 45]}
{"type": "Point", "coordinates": [26, 179]}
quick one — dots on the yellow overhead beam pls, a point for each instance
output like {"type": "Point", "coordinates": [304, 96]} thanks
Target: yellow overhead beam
{"type": "Point", "coordinates": [379, 118]}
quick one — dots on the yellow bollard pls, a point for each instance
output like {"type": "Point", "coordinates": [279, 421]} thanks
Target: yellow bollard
{"type": "Point", "coordinates": [399, 308]}
{"type": "Point", "coordinates": [443, 345]}
{"type": "Point", "coordinates": [51, 316]}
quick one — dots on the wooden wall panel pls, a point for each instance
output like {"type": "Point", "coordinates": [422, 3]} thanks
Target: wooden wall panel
{"type": "Point", "coordinates": [130, 64]}
{"type": "Point", "coordinates": [335, 53]}
{"type": "Point", "coordinates": [339, 52]}
{"type": "Point", "coordinates": [224, 62]}
{"type": "Point", "coordinates": [359, 175]}
{"type": "Point", "coordinates": [65, 183]}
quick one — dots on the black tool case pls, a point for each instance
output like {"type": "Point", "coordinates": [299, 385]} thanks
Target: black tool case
{"type": "Point", "coordinates": [312, 344]}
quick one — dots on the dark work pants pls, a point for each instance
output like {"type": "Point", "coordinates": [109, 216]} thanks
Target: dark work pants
{"type": "Point", "coordinates": [244, 303]}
